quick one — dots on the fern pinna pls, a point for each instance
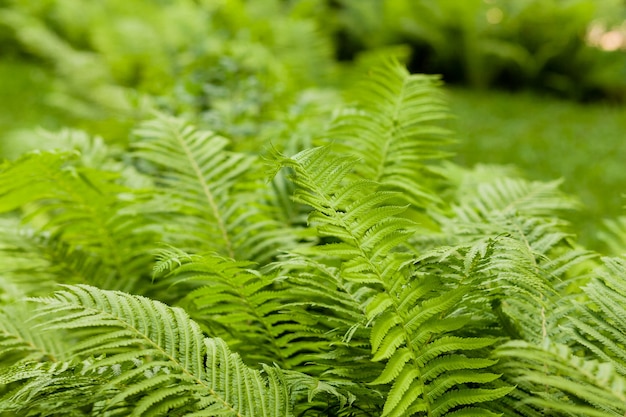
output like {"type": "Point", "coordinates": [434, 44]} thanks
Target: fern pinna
{"type": "Point", "coordinates": [417, 288]}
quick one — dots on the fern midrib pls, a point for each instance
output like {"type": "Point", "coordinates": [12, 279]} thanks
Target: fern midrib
{"type": "Point", "coordinates": [391, 132]}
{"type": "Point", "coordinates": [384, 285]}
{"type": "Point", "coordinates": [208, 194]}
{"type": "Point", "coordinates": [157, 347]}
{"type": "Point", "coordinates": [536, 267]}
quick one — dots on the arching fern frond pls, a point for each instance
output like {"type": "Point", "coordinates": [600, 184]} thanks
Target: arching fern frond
{"type": "Point", "coordinates": [535, 255]}
{"type": "Point", "coordinates": [394, 129]}
{"type": "Point", "coordinates": [366, 222]}
{"type": "Point", "coordinates": [150, 359]}
{"type": "Point", "coordinates": [613, 235]}
{"type": "Point", "coordinates": [333, 316]}
{"type": "Point", "coordinates": [198, 172]}
{"type": "Point", "coordinates": [41, 389]}
{"type": "Point", "coordinates": [599, 323]}
{"type": "Point", "coordinates": [21, 340]}
{"type": "Point", "coordinates": [485, 207]}
{"type": "Point", "coordinates": [207, 197]}
{"type": "Point", "coordinates": [23, 270]}
{"type": "Point", "coordinates": [413, 316]}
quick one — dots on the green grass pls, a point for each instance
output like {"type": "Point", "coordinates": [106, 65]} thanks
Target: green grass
{"type": "Point", "coordinates": [547, 138]}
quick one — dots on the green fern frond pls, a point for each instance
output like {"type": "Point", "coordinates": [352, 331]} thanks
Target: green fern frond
{"type": "Point", "coordinates": [488, 206]}
{"type": "Point", "coordinates": [23, 270]}
{"type": "Point", "coordinates": [41, 389]}
{"type": "Point", "coordinates": [207, 198]}
{"type": "Point", "coordinates": [21, 341]}
{"type": "Point", "coordinates": [197, 172]}
{"type": "Point", "coordinates": [394, 128]}
{"type": "Point", "coordinates": [534, 260]}
{"type": "Point", "coordinates": [413, 316]}
{"type": "Point", "coordinates": [599, 323]}
{"type": "Point", "coordinates": [245, 308]}
{"type": "Point", "coordinates": [562, 381]}
{"type": "Point", "coordinates": [150, 358]}
{"type": "Point", "coordinates": [84, 211]}
{"type": "Point", "coordinates": [344, 210]}
{"type": "Point", "coordinates": [613, 235]}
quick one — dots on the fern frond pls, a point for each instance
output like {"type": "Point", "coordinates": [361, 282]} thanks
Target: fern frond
{"type": "Point", "coordinates": [562, 381]}
{"type": "Point", "coordinates": [613, 235]}
{"type": "Point", "coordinates": [23, 270]}
{"type": "Point", "coordinates": [207, 198]}
{"type": "Point", "coordinates": [342, 210]}
{"type": "Point", "coordinates": [151, 359]}
{"type": "Point", "coordinates": [534, 257]}
{"type": "Point", "coordinates": [394, 128]}
{"type": "Point", "coordinates": [599, 323]}
{"type": "Point", "coordinates": [197, 171]}
{"type": "Point", "coordinates": [488, 206]}
{"type": "Point", "coordinates": [245, 308]}
{"type": "Point", "coordinates": [413, 316]}
{"type": "Point", "coordinates": [41, 389]}
{"type": "Point", "coordinates": [21, 341]}
{"type": "Point", "coordinates": [334, 312]}
{"type": "Point", "coordinates": [83, 210]}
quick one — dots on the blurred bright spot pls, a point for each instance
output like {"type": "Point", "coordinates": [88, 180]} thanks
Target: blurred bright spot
{"type": "Point", "coordinates": [494, 15]}
{"type": "Point", "coordinates": [607, 40]}
{"type": "Point", "coordinates": [612, 41]}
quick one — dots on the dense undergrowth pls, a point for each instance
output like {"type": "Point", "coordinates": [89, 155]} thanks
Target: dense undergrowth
{"type": "Point", "coordinates": [248, 239]}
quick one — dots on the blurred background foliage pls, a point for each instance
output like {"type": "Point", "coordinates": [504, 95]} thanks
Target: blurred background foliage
{"type": "Point", "coordinates": [516, 44]}
{"type": "Point", "coordinates": [535, 83]}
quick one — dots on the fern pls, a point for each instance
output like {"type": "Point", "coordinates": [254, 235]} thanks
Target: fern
{"type": "Point", "coordinates": [200, 191]}
{"type": "Point", "coordinates": [366, 278]}
{"type": "Point", "coordinates": [599, 324]}
{"type": "Point", "coordinates": [21, 340]}
{"type": "Point", "coordinates": [613, 235]}
{"type": "Point", "coordinates": [238, 304]}
{"type": "Point", "coordinates": [148, 359]}
{"type": "Point", "coordinates": [411, 322]}
{"type": "Point", "coordinates": [394, 128]}
{"type": "Point", "coordinates": [564, 382]}
{"type": "Point", "coordinates": [83, 211]}
{"type": "Point", "coordinates": [535, 258]}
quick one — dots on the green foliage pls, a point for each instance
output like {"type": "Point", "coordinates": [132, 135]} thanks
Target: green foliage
{"type": "Point", "coordinates": [394, 128]}
{"type": "Point", "coordinates": [231, 65]}
{"type": "Point", "coordinates": [133, 356]}
{"type": "Point", "coordinates": [516, 43]}
{"type": "Point", "coordinates": [169, 275]}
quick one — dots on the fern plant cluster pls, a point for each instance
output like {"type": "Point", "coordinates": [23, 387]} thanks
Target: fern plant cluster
{"type": "Point", "coordinates": [349, 270]}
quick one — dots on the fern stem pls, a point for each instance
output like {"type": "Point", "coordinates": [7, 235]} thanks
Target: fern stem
{"type": "Point", "coordinates": [390, 134]}
{"type": "Point", "coordinates": [209, 196]}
